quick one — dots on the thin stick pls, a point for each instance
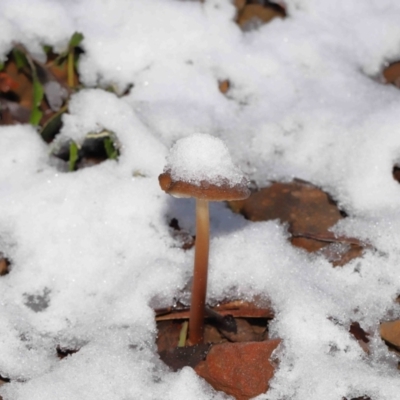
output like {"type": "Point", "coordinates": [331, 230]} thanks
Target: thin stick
{"type": "Point", "coordinates": [199, 290]}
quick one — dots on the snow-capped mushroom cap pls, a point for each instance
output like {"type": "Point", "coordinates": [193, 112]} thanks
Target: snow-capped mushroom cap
{"type": "Point", "coordinates": [200, 166]}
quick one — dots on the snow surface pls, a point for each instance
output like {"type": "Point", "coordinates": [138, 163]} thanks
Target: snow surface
{"type": "Point", "coordinates": [91, 251]}
{"type": "Point", "coordinates": [202, 157]}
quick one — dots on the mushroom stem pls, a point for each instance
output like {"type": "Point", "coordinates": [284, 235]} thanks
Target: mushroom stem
{"type": "Point", "coordinates": [199, 289]}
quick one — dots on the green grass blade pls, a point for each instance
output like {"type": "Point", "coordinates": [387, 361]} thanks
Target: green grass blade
{"type": "Point", "coordinates": [73, 156]}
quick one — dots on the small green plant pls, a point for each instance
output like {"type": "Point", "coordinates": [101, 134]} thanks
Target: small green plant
{"type": "Point", "coordinates": [97, 147]}
{"type": "Point", "coordinates": [111, 150]}
{"type": "Point", "coordinates": [73, 156]}
{"type": "Point", "coordinates": [70, 56]}
{"type": "Point", "coordinates": [75, 41]}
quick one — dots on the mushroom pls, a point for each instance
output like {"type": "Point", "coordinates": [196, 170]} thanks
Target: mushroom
{"type": "Point", "coordinates": [200, 166]}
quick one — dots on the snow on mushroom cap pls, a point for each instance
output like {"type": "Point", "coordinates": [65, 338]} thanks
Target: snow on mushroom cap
{"type": "Point", "coordinates": [202, 157]}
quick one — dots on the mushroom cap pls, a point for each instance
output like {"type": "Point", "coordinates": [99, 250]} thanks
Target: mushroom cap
{"type": "Point", "coordinates": [204, 190]}
{"type": "Point", "coordinates": [200, 166]}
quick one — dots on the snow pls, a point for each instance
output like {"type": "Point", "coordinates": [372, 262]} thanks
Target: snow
{"type": "Point", "coordinates": [91, 250]}
{"type": "Point", "coordinates": [202, 157]}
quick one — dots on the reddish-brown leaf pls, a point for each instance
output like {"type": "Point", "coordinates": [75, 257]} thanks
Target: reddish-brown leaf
{"type": "Point", "coordinates": [242, 370]}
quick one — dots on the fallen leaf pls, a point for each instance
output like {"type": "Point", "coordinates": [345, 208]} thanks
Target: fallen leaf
{"type": "Point", "coordinates": [4, 266]}
{"type": "Point", "coordinates": [256, 14]}
{"type": "Point", "coordinates": [391, 73]}
{"type": "Point", "coordinates": [246, 331]}
{"type": "Point", "coordinates": [306, 208]}
{"type": "Point", "coordinates": [390, 333]}
{"type": "Point", "coordinates": [309, 212]}
{"type": "Point", "coordinates": [168, 334]}
{"type": "Point", "coordinates": [242, 370]}
{"type": "Point", "coordinates": [224, 86]}
{"type": "Point", "coordinates": [339, 254]}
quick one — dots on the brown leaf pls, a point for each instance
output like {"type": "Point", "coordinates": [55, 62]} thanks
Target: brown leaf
{"type": "Point", "coordinates": [224, 86]}
{"type": "Point", "coordinates": [390, 333]}
{"type": "Point", "coordinates": [242, 370]}
{"type": "Point", "coordinates": [246, 331]}
{"type": "Point", "coordinates": [310, 213]}
{"type": "Point", "coordinates": [4, 266]}
{"type": "Point", "coordinates": [340, 254]}
{"type": "Point", "coordinates": [392, 73]}
{"type": "Point", "coordinates": [305, 207]}
{"type": "Point", "coordinates": [258, 14]}
{"type": "Point", "coordinates": [168, 334]}
{"type": "Point", "coordinates": [213, 335]}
